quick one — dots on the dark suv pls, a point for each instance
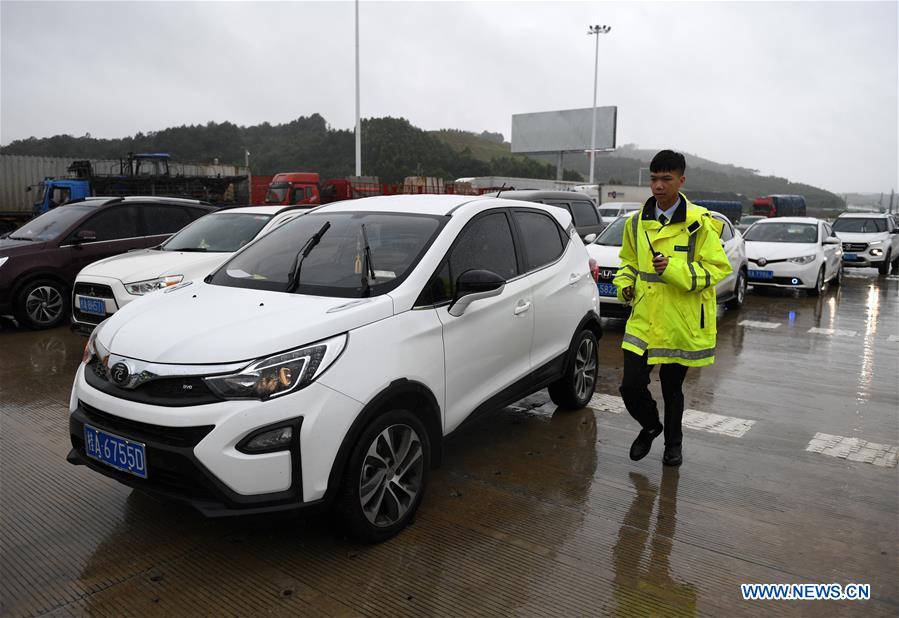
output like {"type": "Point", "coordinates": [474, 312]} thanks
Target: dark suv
{"type": "Point", "coordinates": [584, 213]}
{"type": "Point", "coordinates": [39, 261]}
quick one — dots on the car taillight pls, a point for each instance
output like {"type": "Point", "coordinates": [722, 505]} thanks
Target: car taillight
{"type": "Point", "coordinates": [594, 270]}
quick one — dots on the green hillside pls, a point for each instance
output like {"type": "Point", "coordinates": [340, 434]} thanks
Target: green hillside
{"type": "Point", "coordinates": [392, 149]}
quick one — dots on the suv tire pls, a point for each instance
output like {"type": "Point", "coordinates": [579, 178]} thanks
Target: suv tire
{"type": "Point", "coordinates": [884, 267]}
{"type": "Point", "coordinates": [42, 303]}
{"type": "Point", "coordinates": [739, 292]}
{"type": "Point", "coordinates": [819, 284]}
{"type": "Point", "coordinates": [575, 388]}
{"type": "Point", "coordinates": [385, 477]}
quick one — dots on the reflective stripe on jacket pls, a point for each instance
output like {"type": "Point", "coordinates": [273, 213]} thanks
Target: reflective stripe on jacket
{"type": "Point", "coordinates": [673, 314]}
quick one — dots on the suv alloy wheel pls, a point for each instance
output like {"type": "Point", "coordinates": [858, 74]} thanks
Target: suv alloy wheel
{"type": "Point", "coordinates": [819, 284]}
{"type": "Point", "coordinates": [42, 304]}
{"type": "Point", "coordinates": [739, 291]}
{"type": "Point", "coordinates": [385, 477]}
{"type": "Point", "coordinates": [575, 389]}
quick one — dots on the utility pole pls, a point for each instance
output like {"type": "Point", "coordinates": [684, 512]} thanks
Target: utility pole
{"type": "Point", "coordinates": [595, 31]}
{"type": "Point", "coordinates": [358, 121]}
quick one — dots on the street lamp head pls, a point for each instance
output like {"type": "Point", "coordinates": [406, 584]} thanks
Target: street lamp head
{"type": "Point", "coordinates": [597, 29]}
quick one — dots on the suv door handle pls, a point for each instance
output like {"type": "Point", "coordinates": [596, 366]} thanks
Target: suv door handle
{"type": "Point", "coordinates": [522, 307]}
{"type": "Point", "coordinates": [574, 278]}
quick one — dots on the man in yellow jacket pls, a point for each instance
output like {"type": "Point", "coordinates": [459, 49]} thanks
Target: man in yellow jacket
{"type": "Point", "coordinates": [671, 259]}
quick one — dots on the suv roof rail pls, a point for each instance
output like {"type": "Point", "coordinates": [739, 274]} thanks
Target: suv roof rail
{"type": "Point", "coordinates": [164, 198]}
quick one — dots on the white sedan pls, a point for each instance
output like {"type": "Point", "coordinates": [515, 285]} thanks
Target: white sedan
{"type": "Point", "coordinates": [604, 251]}
{"type": "Point", "coordinates": [794, 252]}
{"type": "Point", "coordinates": [104, 287]}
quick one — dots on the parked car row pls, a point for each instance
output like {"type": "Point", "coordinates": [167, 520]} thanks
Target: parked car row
{"type": "Point", "coordinates": [104, 287]}
{"type": "Point", "coordinates": [39, 261]}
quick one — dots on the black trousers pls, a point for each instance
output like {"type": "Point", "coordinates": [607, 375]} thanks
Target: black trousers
{"type": "Point", "coordinates": [639, 402]}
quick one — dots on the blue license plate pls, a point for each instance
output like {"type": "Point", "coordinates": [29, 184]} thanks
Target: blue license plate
{"type": "Point", "coordinates": [120, 453]}
{"type": "Point", "coordinates": [97, 306]}
{"type": "Point", "coordinates": [850, 257]}
{"type": "Point", "coordinates": [607, 289]}
{"type": "Point", "coordinates": [761, 274]}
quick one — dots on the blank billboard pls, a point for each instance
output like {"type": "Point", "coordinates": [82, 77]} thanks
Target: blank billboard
{"type": "Point", "coordinates": [564, 130]}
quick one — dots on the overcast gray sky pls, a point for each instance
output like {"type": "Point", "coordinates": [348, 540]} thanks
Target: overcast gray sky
{"type": "Point", "coordinates": [806, 90]}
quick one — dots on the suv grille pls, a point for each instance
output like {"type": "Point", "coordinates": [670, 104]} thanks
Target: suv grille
{"type": "Point", "coordinates": [606, 274]}
{"type": "Point", "coordinates": [172, 436]}
{"type": "Point", "coordinates": [94, 289]}
{"type": "Point", "coordinates": [855, 247]}
{"type": "Point", "coordinates": [175, 391]}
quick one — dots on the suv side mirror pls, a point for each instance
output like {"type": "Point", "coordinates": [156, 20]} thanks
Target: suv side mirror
{"type": "Point", "coordinates": [475, 285]}
{"type": "Point", "coordinates": [85, 236]}
{"type": "Point", "coordinates": [895, 231]}
{"type": "Point", "coordinates": [831, 240]}
{"type": "Point", "coordinates": [589, 238]}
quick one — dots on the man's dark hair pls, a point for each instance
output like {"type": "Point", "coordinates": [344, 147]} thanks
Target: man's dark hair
{"type": "Point", "coordinates": [668, 161]}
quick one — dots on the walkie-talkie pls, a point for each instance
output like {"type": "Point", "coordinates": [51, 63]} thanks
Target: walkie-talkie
{"type": "Point", "coordinates": [655, 253]}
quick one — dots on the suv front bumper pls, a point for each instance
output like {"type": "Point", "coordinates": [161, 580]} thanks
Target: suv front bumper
{"type": "Point", "coordinates": [191, 451]}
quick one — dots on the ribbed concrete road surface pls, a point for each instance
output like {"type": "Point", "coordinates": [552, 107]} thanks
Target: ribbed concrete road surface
{"type": "Point", "coordinates": [789, 477]}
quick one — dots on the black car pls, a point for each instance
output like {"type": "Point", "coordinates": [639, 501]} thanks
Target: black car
{"type": "Point", "coordinates": [584, 213]}
{"type": "Point", "coordinates": [39, 261]}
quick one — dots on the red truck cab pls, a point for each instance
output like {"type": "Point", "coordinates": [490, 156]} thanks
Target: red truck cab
{"type": "Point", "coordinates": [294, 188]}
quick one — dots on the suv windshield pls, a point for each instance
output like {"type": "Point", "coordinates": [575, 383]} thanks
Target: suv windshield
{"type": "Point", "coordinates": [859, 225]}
{"type": "Point", "coordinates": [218, 232]}
{"type": "Point", "coordinates": [336, 265]}
{"type": "Point", "coordinates": [783, 232]}
{"type": "Point", "coordinates": [51, 224]}
{"type": "Point", "coordinates": [612, 235]}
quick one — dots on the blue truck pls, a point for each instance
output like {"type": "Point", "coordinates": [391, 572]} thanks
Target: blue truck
{"type": "Point", "coordinates": [135, 174]}
{"type": "Point", "coordinates": [731, 210]}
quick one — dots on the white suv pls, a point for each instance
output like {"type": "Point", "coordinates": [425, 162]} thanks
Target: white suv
{"type": "Point", "coordinates": [325, 362]}
{"type": "Point", "coordinates": [869, 239]}
{"type": "Point", "coordinates": [104, 287]}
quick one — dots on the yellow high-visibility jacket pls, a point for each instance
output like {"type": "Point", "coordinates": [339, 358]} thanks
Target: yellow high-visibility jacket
{"type": "Point", "coordinates": [673, 314]}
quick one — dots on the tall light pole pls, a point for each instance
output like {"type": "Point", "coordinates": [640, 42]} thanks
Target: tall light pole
{"type": "Point", "coordinates": [358, 121]}
{"type": "Point", "coordinates": [595, 30]}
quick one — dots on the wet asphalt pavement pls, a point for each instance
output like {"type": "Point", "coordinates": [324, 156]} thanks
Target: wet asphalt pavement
{"type": "Point", "coordinates": [534, 512]}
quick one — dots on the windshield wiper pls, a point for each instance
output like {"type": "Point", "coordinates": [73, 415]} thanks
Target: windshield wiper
{"type": "Point", "coordinates": [293, 281]}
{"type": "Point", "coordinates": [20, 238]}
{"type": "Point", "coordinates": [368, 269]}
{"type": "Point", "coordinates": [189, 249]}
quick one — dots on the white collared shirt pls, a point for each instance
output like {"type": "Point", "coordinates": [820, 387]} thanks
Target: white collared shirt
{"type": "Point", "coordinates": [668, 212]}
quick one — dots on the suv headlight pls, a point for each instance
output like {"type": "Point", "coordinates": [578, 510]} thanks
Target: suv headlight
{"type": "Point", "coordinates": [870, 244]}
{"type": "Point", "coordinates": [279, 374]}
{"type": "Point", "coordinates": [805, 259]}
{"type": "Point", "coordinates": [139, 288]}
{"type": "Point", "coordinates": [93, 347]}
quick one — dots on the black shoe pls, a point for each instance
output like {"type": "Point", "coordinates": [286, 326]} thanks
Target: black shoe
{"type": "Point", "coordinates": [640, 447]}
{"type": "Point", "coordinates": [673, 455]}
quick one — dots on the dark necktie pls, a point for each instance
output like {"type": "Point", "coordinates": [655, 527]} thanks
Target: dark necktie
{"type": "Point", "coordinates": [663, 219]}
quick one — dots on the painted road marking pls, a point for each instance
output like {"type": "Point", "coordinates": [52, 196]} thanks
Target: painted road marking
{"type": "Point", "coordinates": [854, 449]}
{"type": "Point", "coordinates": [717, 423]}
{"type": "Point", "coordinates": [694, 419]}
{"type": "Point", "coordinates": [835, 332]}
{"type": "Point", "coordinates": [755, 324]}
{"type": "Point", "coordinates": [607, 403]}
